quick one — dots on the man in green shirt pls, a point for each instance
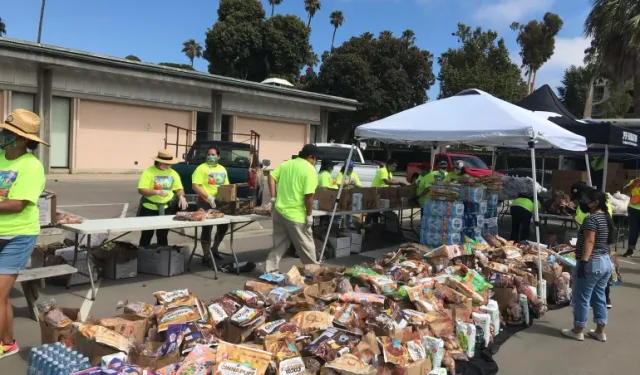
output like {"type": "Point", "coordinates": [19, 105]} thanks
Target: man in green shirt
{"type": "Point", "coordinates": [383, 178]}
{"type": "Point", "coordinates": [597, 170]}
{"type": "Point", "coordinates": [292, 186]}
{"type": "Point", "coordinates": [425, 181]}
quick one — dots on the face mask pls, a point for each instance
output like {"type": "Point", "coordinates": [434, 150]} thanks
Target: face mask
{"type": "Point", "coordinates": [7, 140]}
{"type": "Point", "coordinates": [443, 170]}
{"type": "Point", "coordinates": [163, 166]}
{"type": "Point", "coordinates": [392, 168]}
{"type": "Point", "coordinates": [212, 159]}
{"type": "Point", "coordinates": [458, 171]}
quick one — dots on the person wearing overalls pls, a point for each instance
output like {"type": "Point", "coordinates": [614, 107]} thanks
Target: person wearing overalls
{"type": "Point", "coordinates": [160, 186]}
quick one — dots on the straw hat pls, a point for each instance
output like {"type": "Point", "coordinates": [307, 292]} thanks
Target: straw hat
{"type": "Point", "coordinates": [165, 157]}
{"type": "Point", "coordinates": [25, 124]}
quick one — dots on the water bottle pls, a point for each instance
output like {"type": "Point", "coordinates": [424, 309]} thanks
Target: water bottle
{"type": "Point", "coordinates": [73, 367]}
{"type": "Point", "coordinates": [61, 370]}
{"type": "Point", "coordinates": [42, 363]}
{"type": "Point", "coordinates": [31, 360]}
{"type": "Point", "coordinates": [46, 369]}
{"type": "Point", "coordinates": [85, 364]}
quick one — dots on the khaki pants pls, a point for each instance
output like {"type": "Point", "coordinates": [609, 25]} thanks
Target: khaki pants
{"type": "Point", "coordinates": [287, 232]}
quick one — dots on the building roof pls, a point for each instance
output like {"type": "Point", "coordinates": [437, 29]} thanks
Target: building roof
{"type": "Point", "coordinates": [43, 50]}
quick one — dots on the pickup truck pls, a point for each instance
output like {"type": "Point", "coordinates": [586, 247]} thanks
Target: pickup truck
{"type": "Point", "coordinates": [338, 153]}
{"type": "Point", "coordinates": [474, 165]}
{"type": "Point", "coordinates": [240, 160]}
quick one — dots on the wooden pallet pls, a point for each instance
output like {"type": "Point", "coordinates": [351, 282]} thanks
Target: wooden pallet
{"type": "Point", "coordinates": [33, 279]}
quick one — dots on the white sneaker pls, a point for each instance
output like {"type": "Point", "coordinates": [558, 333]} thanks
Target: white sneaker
{"type": "Point", "coordinates": [576, 336]}
{"type": "Point", "coordinates": [602, 337]}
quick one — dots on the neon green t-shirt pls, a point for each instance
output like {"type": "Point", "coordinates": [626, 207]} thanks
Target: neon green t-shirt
{"type": "Point", "coordinates": [352, 179]}
{"type": "Point", "coordinates": [452, 176]}
{"type": "Point", "coordinates": [21, 179]}
{"type": "Point", "coordinates": [525, 203]}
{"type": "Point", "coordinates": [382, 174]}
{"type": "Point", "coordinates": [210, 178]}
{"type": "Point", "coordinates": [426, 181]}
{"type": "Point", "coordinates": [580, 216]}
{"type": "Point", "coordinates": [157, 179]}
{"type": "Point", "coordinates": [325, 180]}
{"type": "Point", "coordinates": [295, 178]}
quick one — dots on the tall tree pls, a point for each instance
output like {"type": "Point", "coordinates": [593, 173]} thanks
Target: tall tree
{"type": "Point", "coordinates": [192, 50]}
{"type": "Point", "coordinates": [387, 75]}
{"type": "Point", "coordinates": [614, 27]}
{"type": "Point", "coordinates": [273, 4]}
{"type": "Point", "coordinates": [242, 44]}
{"type": "Point", "coordinates": [3, 28]}
{"type": "Point", "coordinates": [336, 19]}
{"type": "Point", "coordinates": [537, 40]}
{"type": "Point", "coordinates": [132, 58]}
{"type": "Point", "coordinates": [574, 89]}
{"type": "Point", "coordinates": [482, 62]}
{"type": "Point", "coordinates": [311, 6]}
{"type": "Point", "coordinates": [41, 20]}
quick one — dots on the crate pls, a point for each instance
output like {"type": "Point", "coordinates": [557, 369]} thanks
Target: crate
{"type": "Point", "coordinates": [239, 207]}
{"type": "Point", "coordinates": [65, 255]}
{"type": "Point", "coordinates": [116, 271]}
{"type": "Point", "coordinates": [162, 261]}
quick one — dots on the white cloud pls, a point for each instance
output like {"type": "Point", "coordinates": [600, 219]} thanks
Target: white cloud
{"type": "Point", "coordinates": [503, 12]}
{"type": "Point", "coordinates": [568, 51]}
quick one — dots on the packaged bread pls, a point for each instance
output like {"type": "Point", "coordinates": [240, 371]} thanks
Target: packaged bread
{"type": "Point", "coordinates": [255, 359]}
{"type": "Point", "coordinates": [180, 297]}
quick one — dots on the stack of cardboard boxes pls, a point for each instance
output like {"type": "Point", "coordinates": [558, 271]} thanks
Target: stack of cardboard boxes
{"type": "Point", "coordinates": [561, 180]}
{"type": "Point", "coordinates": [228, 203]}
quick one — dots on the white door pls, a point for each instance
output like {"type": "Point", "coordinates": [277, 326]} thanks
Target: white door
{"type": "Point", "coordinates": [60, 125]}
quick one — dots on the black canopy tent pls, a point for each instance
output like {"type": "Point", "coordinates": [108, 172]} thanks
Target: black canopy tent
{"type": "Point", "coordinates": [607, 135]}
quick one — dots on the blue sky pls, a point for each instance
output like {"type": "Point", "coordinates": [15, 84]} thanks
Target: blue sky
{"type": "Point", "coordinates": [155, 29]}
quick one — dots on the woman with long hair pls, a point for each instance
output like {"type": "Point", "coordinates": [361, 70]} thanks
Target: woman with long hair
{"type": "Point", "coordinates": [22, 181]}
{"type": "Point", "coordinates": [593, 269]}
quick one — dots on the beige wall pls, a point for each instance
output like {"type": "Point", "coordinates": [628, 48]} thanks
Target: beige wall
{"type": "Point", "coordinates": [121, 138]}
{"type": "Point", "coordinates": [278, 140]}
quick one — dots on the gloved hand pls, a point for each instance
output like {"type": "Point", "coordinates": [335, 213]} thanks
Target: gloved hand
{"type": "Point", "coordinates": [582, 269]}
{"type": "Point", "coordinates": [212, 201]}
{"type": "Point", "coordinates": [269, 207]}
{"type": "Point", "coordinates": [182, 203]}
{"type": "Point", "coordinates": [309, 221]}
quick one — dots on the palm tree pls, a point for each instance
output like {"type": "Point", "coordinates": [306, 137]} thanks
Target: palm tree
{"type": "Point", "coordinates": [3, 28]}
{"type": "Point", "coordinates": [337, 19]}
{"type": "Point", "coordinates": [132, 58]}
{"type": "Point", "coordinates": [192, 50]}
{"type": "Point", "coordinates": [614, 27]}
{"type": "Point", "coordinates": [273, 5]}
{"type": "Point", "coordinates": [311, 6]}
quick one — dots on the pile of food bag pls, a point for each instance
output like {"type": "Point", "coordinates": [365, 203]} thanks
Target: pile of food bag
{"type": "Point", "coordinates": [619, 202]}
{"type": "Point", "coordinates": [417, 310]}
{"type": "Point", "coordinates": [512, 186]}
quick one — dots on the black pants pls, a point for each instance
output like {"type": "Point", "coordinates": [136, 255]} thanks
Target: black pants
{"type": "Point", "coordinates": [634, 227]}
{"type": "Point", "coordinates": [161, 234]}
{"type": "Point", "coordinates": [520, 223]}
{"type": "Point", "coordinates": [372, 218]}
{"type": "Point", "coordinates": [205, 234]}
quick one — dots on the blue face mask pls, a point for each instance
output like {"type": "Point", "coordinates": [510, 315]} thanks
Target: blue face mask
{"type": "Point", "coordinates": [212, 159]}
{"type": "Point", "coordinates": [7, 140]}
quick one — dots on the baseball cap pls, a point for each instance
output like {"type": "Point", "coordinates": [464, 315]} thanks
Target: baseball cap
{"type": "Point", "coordinates": [309, 150]}
{"type": "Point", "coordinates": [351, 164]}
{"type": "Point", "coordinates": [443, 163]}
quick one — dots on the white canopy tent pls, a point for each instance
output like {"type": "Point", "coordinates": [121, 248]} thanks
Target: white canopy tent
{"type": "Point", "coordinates": [477, 118]}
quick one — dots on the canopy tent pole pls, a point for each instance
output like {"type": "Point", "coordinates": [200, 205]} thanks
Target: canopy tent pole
{"type": "Point", "coordinates": [335, 204]}
{"type": "Point", "coordinates": [432, 157]}
{"type": "Point", "coordinates": [604, 171]}
{"type": "Point", "coordinates": [493, 160]}
{"type": "Point", "coordinates": [542, 174]}
{"type": "Point", "coordinates": [536, 214]}
{"type": "Point", "coordinates": [586, 161]}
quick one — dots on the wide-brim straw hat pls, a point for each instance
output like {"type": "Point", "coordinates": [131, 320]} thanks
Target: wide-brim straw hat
{"type": "Point", "coordinates": [165, 157]}
{"type": "Point", "coordinates": [25, 124]}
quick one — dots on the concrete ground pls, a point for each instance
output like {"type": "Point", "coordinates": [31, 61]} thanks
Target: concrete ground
{"type": "Point", "coordinates": [538, 350]}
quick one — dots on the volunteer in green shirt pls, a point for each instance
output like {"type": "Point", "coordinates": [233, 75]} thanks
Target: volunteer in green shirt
{"type": "Point", "coordinates": [324, 178]}
{"type": "Point", "coordinates": [597, 170]}
{"type": "Point", "coordinates": [427, 178]}
{"type": "Point", "coordinates": [351, 178]}
{"type": "Point", "coordinates": [158, 186]}
{"type": "Point", "coordinates": [292, 186]}
{"type": "Point", "coordinates": [632, 189]}
{"type": "Point", "coordinates": [22, 181]}
{"type": "Point", "coordinates": [205, 182]}
{"type": "Point", "coordinates": [458, 172]}
{"type": "Point", "coordinates": [521, 214]}
{"type": "Point", "coordinates": [383, 178]}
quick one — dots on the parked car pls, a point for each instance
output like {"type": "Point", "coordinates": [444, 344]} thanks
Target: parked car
{"type": "Point", "coordinates": [474, 165]}
{"type": "Point", "coordinates": [338, 153]}
{"type": "Point", "coordinates": [240, 159]}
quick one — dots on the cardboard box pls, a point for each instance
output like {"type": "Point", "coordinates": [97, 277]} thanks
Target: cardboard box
{"type": "Point", "coordinates": [116, 271]}
{"type": "Point", "coordinates": [50, 334]}
{"type": "Point", "coordinates": [137, 358]}
{"type": "Point", "coordinates": [356, 248]}
{"type": "Point", "coordinates": [340, 242]}
{"type": "Point", "coordinates": [237, 207]}
{"type": "Point", "coordinates": [227, 193]}
{"type": "Point", "coordinates": [562, 180]}
{"type": "Point", "coordinates": [342, 253]}
{"type": "Point", "coordinates": [91, 349]}
{"type": "Point", "coordinates": [162, 261]}
{"type": "Point", "coordinates": [47, 205]}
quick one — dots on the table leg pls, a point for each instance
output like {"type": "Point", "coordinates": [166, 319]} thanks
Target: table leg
{"type": "Point", "coordinates": [195, 247]}
{"type": "Point", "coordinates": [232, 229]}
{"type": "Point", "coordinates": [75, 257]}
{"type": "Point", "coordinates": [90, 269]}
{"type": "Point", "coordinates": [215, 265]}
{"type": "Point", "coordinates": [30, 291]}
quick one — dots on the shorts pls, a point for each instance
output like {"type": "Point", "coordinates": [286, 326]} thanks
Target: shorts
{"type": "Point", "coordinates": [15, 254]}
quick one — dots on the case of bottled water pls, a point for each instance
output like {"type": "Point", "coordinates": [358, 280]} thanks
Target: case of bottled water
{"type": "Point", "coordinates": [55, 359]}
{"type": "Point", "coordinates": [492, 199]}
{"type": "Point", "coordinates": [434, 239]}
{"type": "Point", "coordinates": [475, 232]}
{"type": "Point", "coordinates": [471, 193]}
{"type": "Point", "coordinates": [356, 202]}
{"type": "Point", "coordinates": [479, 208]}
{"type": "Point", "coordinates": [473, 220]}
{"type": "Point", "coordinates": [492, 211]}
{"type": "Point", "coordinates": [443, 208]}
{"type": "Point", "coordinates": [442, 224]}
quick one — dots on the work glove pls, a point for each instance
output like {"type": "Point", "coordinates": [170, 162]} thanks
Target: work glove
{"type": "Point", "coordinates": [182, 203]}
{"type": "Point", "coordinates": [582, 269]}
{"type": "Point", "coordinates": [212, 201]}
{"type": "Point", "coordinates": [309, 221]}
